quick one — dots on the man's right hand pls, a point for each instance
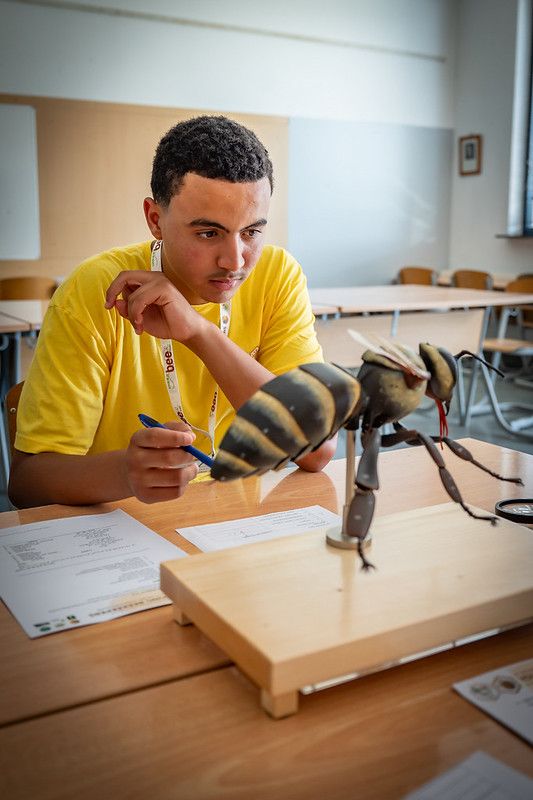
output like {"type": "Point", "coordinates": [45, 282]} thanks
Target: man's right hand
{"type": "Point", "coordinates": [152, 304]}
{"type": "Point", "coordinates": [157, 468]}
{"type": "Point", "coordinates": [152, 468]}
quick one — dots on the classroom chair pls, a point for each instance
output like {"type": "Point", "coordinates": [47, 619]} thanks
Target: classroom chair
{"type": "Point", "coordinates": [515, 346]}
{"type": "Point", "coordinates": [30, 287]}
{"type": "Point", "coordinates": [519, 348]}
{"type": "Point", "coordinates": [472, 279]}
{"type": "Point", "coordinates": [523, 283]}
{"type": "Point", "coordinates": [420, 275]}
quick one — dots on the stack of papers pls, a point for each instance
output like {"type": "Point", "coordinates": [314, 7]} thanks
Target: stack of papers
{"type": "Point", "coordinates": [63, 573]}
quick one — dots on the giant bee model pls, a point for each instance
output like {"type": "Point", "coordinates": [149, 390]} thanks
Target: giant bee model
{"type": "Point", "coordinates": [296, 412]}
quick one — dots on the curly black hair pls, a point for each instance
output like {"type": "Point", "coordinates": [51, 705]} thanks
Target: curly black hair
{"type": "Point", "coordinates": [212, 147]}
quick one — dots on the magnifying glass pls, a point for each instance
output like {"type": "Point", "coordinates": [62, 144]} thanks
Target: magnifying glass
{"type": "Point", "coordinates": [517, 510]}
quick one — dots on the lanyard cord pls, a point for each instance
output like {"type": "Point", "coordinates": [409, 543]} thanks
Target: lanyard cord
{"type": "Point", "coordinates": [169, 365]}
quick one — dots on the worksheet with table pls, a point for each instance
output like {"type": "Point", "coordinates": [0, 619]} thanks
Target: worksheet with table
{"type": "Point", "coordinates": [62, 573]}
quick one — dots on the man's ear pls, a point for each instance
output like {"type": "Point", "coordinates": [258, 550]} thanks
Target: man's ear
{"type": "Point", "coordinates": [152, 213]}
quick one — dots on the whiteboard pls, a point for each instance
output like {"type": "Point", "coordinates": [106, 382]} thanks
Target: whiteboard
{"type": "Point", "coordinates": [19, 186]}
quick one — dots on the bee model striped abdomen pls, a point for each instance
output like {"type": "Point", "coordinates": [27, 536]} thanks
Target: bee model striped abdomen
{"type": "Point", "coordinates": [289, 416]}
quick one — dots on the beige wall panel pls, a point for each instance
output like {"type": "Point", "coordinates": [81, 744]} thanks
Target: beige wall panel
{"type": "Point", "coordinates": [94, 171]}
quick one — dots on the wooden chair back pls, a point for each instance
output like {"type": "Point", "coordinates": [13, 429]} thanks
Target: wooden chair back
{"type": "Point", "coordinates": [524, 283]}
{"type": "Point", "coordinates": [472, 279]}
{"type": "Point", "coordinates": [420, 275]}
{"type": "Point", "coordinates": [29, 287]}
{"type": "Point", "coordinates": [11, 405]}
{"type": "Point", "coordinates": [521, 284]}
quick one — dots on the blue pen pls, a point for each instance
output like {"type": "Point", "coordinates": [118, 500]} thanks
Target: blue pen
{"type": "Point", "coordinates": [148, 422]}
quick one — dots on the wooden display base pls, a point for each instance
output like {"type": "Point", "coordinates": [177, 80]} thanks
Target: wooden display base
{"type": "Point", "coordinates": [295, 611]}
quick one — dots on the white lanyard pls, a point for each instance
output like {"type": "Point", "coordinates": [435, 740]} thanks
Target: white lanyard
{"type": "Point", "coordinates": [170, 371]}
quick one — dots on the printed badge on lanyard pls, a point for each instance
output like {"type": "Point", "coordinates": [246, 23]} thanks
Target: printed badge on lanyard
{"type": "Point", "coordinates": [171, 374]}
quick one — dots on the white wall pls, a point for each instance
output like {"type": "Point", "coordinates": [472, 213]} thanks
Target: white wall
{"type": "Point", "coordinates": [484, 104]}
{"type": "Point", "coordinates": [367, 198]}
{"type": "Point", "coordinates": [387, 60]}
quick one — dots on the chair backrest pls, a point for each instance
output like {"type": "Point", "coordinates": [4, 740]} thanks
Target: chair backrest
{"type": "Point", "coordinates": [420, 275]}
{"type": "Point", "coordinates": [11, 405]}
{"type": "Point", "coordinates": [472, 279]}
{"type": "Point", "coordinates": [523, 284]}
{"type": "Point", "coordinates": [31, 287]}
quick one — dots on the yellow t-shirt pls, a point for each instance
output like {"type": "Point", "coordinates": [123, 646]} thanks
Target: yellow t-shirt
{"type": "Point", "coordinates": [91, 375]}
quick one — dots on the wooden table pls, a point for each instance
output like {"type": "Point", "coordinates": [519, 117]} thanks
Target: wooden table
{"type": "Point", "coordinates": [407, 312]}
{"type": "Point", "coordinates": [405, 297]}
{"type": "Point", "coordinates": [140, 707]}
{"type": "Point", "coordinates": [397, 299]}
{"type": "Point", "coordinates": [30, 312]}
{"type": "Point", "coordinates": [17, 317]}
{"type": "Point", "coordinates": [11, 330]}
{"type": "Point", "coordinates": [396, 310]}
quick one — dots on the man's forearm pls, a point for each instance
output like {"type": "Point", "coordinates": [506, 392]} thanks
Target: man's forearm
{"type": "Point", "coordinates": [47, 478]}
{"type": "Point", "coordinates": [237, 373]}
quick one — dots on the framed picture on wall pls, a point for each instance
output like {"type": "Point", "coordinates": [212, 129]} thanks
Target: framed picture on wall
{"type": "Point", "coordinates": [470, 154]}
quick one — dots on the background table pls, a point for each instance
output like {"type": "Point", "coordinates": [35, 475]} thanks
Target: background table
{"type": "Point", "coordinates": [406, 297]}
{"type": "Point", "coordinates": [408, 313]}
{"type": "Point", "coordinates": [139, 707]}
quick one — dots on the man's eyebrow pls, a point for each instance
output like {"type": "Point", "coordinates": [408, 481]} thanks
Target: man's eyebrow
{"type": "Point", "coordinates": [201, 222]}
{"type": "Point", "coordinates": [207, 223]}
{"type": "Point", "coordinates": [257, 224]}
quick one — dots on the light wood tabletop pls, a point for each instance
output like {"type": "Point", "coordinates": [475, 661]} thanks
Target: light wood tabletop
{"type": "Point", "coordinates": [12, 325]}
{"type": "Point", "coordinates": [143, 707]}
{"type": "Point", "coordinates": [205, 737]}
{"type": "Point", "coordinates": [404, 297]}
{"type": "Point", "coordinates": [30, 312]}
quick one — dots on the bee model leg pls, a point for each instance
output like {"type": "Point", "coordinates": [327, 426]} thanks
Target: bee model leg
{"type": "Point", "coordinates": [417, 437]}
{"type": "Point", "coordinates": [462, 452]}
{"type": "Point", "coordinates": [466, 455]}
{"type": "Point", "coordinates": [360, 512]}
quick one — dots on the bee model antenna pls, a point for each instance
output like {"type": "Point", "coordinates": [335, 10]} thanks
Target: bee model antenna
{"type": "Point", "coordinates": [478, 358]}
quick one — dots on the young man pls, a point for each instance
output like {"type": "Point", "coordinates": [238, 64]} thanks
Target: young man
{"type": "Point", "coordinates": [184, 328]}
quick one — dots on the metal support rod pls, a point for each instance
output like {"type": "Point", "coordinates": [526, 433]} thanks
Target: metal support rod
{"type": "Point", "coordinates": [350, 475]}
{"type": "Point", "coordinates": [336, 536]}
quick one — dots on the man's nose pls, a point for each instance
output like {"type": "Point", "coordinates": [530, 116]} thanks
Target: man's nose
{"type": "Point", "coordinates": [231, 256]}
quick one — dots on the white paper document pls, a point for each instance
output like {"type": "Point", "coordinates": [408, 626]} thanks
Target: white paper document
{"type": "Point", "coordinates": [479, 777]}
{"type": "Point", "coordinates": [235, 532]}
{"type": "Point", "coordinates": [63, 573]}
{"type": "Point", "coordinates": [506, 694]}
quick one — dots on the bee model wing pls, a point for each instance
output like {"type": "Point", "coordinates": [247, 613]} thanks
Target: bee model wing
{"type": "Point", "coordinates": [388, 349]}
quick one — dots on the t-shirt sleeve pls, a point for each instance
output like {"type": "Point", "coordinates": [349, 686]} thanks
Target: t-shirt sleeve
{"type": "Point", "coordinates": [289, 338]}
{"type": "Point", "coordinates": [63, 395]}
